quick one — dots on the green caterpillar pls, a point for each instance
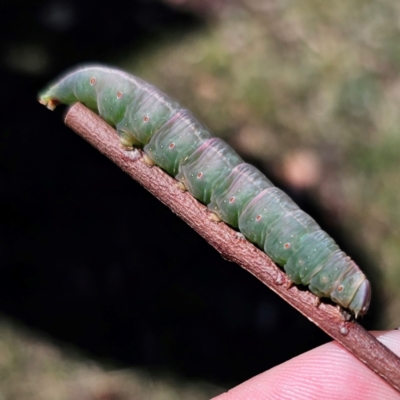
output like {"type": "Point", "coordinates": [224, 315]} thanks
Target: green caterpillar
{"type": "Point", "coordinates": [216, 175]}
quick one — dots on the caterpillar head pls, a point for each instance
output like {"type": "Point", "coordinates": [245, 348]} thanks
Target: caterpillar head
{"type": "Point", "coordinates": [353, 292]}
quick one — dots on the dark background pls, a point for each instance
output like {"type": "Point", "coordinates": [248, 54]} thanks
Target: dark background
{"type": "Point", "coordinates": [88, 256]}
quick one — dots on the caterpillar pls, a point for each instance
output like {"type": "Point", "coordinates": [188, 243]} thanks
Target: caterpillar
{"type": "Point", "coordinates": [237, 192]}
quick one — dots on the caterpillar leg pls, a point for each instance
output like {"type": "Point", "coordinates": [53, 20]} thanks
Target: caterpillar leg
{"type": "Point", "coordinates": [148, 161]}
{"type": "Point", "coordinates": [127, 141]}
{"type": "Point", "coordinates": [214, 217]}
{"type": "Point", "coordinates": [289, 284]}
{"type": "Point", "coordinates": [51, 104]}
{"type": "Point", "coordinates": [317, 301]}
{"type": "Point", "coordinates": [125, 147]}
{"type": "Point", "coordinates": [344, 313]}
{"type": "Point", "coordinates": [181, 186]}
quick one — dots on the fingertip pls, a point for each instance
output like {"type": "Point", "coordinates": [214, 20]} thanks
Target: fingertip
{"type": "Point", "coordinates": [328, 371]}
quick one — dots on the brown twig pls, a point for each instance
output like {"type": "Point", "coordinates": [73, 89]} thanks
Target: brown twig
{"type": "Point", "coordinates": [227, 242]}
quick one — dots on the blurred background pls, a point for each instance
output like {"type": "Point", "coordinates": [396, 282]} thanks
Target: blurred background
{"type": "Point", "coordinates": [104, 293]}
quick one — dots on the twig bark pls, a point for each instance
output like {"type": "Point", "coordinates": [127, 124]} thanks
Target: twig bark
{"type": "Point", "coordinates": [227, 242]}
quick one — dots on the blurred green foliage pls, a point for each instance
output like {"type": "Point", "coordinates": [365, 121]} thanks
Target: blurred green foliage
{"type": "Point", "coordinates": [33, 368]}
{"type": "Point", "coordinates": [313, 89]}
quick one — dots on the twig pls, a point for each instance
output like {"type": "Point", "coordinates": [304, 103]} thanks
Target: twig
{"type": "Point", "coordinates": [227, 242]}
